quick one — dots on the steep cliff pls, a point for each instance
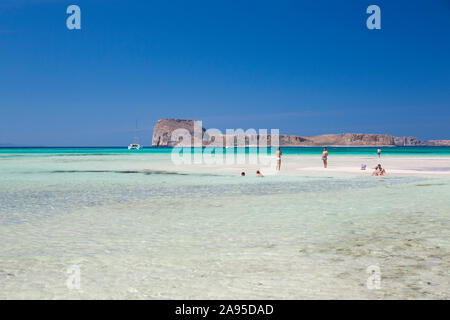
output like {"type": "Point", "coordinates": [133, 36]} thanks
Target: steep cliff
{"type": "Point", "coordinates": [162, 132]}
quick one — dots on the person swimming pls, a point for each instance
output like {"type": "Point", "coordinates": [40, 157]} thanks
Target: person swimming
{"type": "Point", "coordinates": [379, 171]}
{"type": "Point", "coordinates": [259, 174]}
{"type": "Point", "coordinates": [279, 159]}
{"type": "Point", "coordinates": [242, 174]}
{"type": "Point", "coordinates": [325, 157]}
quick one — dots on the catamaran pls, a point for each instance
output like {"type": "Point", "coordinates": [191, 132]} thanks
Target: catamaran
{"type": "Point", "coordinates": [135, 145]}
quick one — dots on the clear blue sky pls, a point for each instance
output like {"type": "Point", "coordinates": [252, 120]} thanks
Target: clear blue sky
{"type": "Point", "coordinates": [305, 67]}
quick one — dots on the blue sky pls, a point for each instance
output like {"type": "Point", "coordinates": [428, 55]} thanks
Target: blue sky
{"type": "Point", "coordinates": [304, 67]}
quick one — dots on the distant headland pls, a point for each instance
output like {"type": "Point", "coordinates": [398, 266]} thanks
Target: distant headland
{"type": "Point", "coordinates": [162, 137]}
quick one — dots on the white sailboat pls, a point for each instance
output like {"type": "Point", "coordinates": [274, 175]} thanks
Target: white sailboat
{"type": "Point", "coordinates": [135, 145]}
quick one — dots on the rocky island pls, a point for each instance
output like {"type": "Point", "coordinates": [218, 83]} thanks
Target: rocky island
{"type": "Point", "coordinates": [162, 137]}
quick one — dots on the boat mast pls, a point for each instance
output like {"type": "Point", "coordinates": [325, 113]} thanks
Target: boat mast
{"type": "Point", "coordinates": [136, 134]}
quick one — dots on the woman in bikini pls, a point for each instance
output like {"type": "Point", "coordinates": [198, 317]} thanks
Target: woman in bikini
{"type": "Point", "coordinates": [279, 159]}
{"type": "Point", "coordinates": [325, 157]}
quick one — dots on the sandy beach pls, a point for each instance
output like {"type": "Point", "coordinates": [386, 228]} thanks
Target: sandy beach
{"type": "Point", "coordinates": [337, 166]}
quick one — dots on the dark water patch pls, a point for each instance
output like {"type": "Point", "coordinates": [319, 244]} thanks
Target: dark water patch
{"type": "Point", "coordinates": [146, 172]}
{"type": "Point", "coordinates": [84, 154]}
{"type": "Point", "coordinates": [94, 171]}
{"type": "Point", "coordinates": [149, 172]}
{"type": "Point", "coordinates": [116, 171]}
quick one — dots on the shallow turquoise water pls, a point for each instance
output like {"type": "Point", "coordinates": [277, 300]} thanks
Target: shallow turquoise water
{"type": "Point", "coordinates": [344, 151]}
{"type": "Point", "coordinates": [138, 228]}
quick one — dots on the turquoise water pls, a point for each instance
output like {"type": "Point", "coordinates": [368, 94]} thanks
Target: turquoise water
{"type": "Point", "coordinates": [339, 151]}
{"type": "Point", "coordinates": [139, 227]}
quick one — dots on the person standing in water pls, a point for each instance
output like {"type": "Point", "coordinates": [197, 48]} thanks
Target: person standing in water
{"type": "Point", "coordinates": [379, 152]}
{"type": "Point", "coordinates": [279, 159]}
{"type": "Point", "coordinates": [325, 157]}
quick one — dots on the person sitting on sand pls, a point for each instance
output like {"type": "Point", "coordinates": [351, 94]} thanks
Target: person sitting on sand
{"type": "Point", "coordinates": [259, 174]}
{"type": "Point", "coordinates": [379, 171]}
{"type": "Point", "coordinates": [242, 174]}
{"type": "Point", "coordinates": [325, 157]}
